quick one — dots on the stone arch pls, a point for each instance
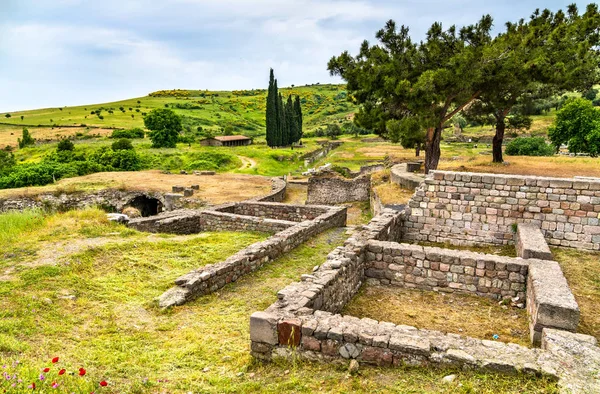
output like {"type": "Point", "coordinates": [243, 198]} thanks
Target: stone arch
{"type": "Point", "coordinates": [148, 206]}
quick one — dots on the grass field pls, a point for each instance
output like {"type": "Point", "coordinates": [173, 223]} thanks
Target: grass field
{"type": "Point", "coordinates": [92, 306]}
{"type": "Point", "coordinates": [243, 111]}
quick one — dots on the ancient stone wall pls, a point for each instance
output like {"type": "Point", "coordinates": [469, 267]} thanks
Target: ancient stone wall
{"type": "Point", "coordinates": [318, 154]}
{"type": "Point", "coordinates": [295, 213]}
{"type": "Point", "coordinates": [109, 199]}
{"type": "Point", "coordinates": [277, 194]}
{"type": "Point", "coordinates": [335, 190]}
{"type": "Point", "coordinates": [222, 221]}
{"type": "Point", "coordinates": [469, 208]}
{"type": "Point", "coordinates": [212, 277]}
{"type": "Point", "coordinates": [403, 175]}
{"type": "Point", "coordinates": [445, 270]}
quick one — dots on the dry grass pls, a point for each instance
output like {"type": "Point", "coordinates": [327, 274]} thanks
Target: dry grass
{"type": "Point", "coordinates": [463, 314]}
{"type": "Point", "coordinates": [10, 134]}
{"type": "Point", "coordinates": [582, 270]}
{"type": "Point", "coordinates": [296, 194]}
{"type": "Point", "coordinates": [555, 166]}
{"type": "Point", "coordinates": [499, 250]}
{"type": "Point", "coordinates": [216, 189]}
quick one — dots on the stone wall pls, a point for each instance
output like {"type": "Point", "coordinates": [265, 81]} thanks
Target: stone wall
{"type": "Point", "coordinates": [277, 194]}
{"type": "Point", "coordinates": [305, 321]}
{"type": "Point", "coordinates": [403, 175]}
{"type": "Point", "coordinates": [212, 277]}
{"type": "Point", "coordinates": [294, 213]}
{"type": "Point", "coordinates": [222, 221]}
{"type": "Point", "coordinates": [318, 154]}
{"type": "Point", "coordinates": [445, 270]}
{"type": "Point", "coordinates": [109, 199]}
{"type": "Point", "coordinates": [469, 208]}
{"type": "Point", "coordinates": [335, 190]}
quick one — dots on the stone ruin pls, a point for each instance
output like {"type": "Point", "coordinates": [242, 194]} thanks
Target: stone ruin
{"type": "Point", "coordinates": [464, 209]}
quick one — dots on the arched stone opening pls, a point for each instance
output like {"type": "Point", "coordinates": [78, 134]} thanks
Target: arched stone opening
{"type": "Point", "coordinates": [147, 206]}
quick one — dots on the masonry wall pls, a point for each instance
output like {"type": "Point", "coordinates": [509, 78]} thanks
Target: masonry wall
{"type": "Point", "coordinates": [334, 190]}
{"type": "Point", "coordinates": [294, 213]}
{"type": "Point", "coordinates": [469, 208]}
{"type": "Point", "coordinates": [212, 277]}
{"type": "Point", "coordinates": [445, 270]}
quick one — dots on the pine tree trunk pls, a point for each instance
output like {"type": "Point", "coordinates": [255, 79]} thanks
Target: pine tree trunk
{"type": "Point", "coordinates": [432, 148]}
{"type": "Point", "coordinates": [497, 141]}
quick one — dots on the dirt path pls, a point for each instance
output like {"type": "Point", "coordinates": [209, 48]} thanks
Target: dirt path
{"type": "Point", "coordinates": [247, 162]}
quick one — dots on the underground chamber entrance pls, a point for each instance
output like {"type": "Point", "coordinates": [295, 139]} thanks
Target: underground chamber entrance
{"type": "Point", "coordinates": [147, 206]}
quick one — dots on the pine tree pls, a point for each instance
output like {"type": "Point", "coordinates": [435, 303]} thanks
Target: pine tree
{"type": "Point", "coordinates": [271, 111]}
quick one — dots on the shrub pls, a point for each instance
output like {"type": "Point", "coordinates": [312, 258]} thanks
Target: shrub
{"type": "Point", "coordinates": [211, 161]}
{"type": "Point", "coordinates": [131, 133]}
{"type": "Point", "coordinates": [65, 145]}
{"type": "Point", "coordinates": [27, 139]}
{"type": "Point", "coordinates": [529, 146]}
{"type": "Point", "coordinates": [7, 162]}
{"type": "Point", "coordinates": [121, 160]}
{"type": "Point", "coordinates": [122, 144]}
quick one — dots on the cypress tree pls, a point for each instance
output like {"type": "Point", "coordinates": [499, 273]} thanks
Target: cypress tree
{"type": "Point", "coordinates": [277, 131]}
{"type": "Point", "coordinates": [291, 121]}
{"type": "Point", "coordinates": [298, 115]}
{"type": "Point", "coordinates": [271, 117]}
{"type": "Point", "coordinates": [281, 137]}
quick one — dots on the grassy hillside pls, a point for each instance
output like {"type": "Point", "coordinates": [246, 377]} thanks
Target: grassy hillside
{"type": "Point", "coordinates": [242, 111]}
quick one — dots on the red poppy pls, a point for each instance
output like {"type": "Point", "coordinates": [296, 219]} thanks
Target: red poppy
{"type": "Point", "coordinates": [46, 369]}
{"type": "Point", "coordinates": [103, 383]}
{"type": "Point", "coordinates": [62, 371]}
{"type": "Point", "coordinates": [54, 360]}
{"type": "Point", "coordinates": [81, 371]}
{"type": "Point", "coordinates": [32, 385]}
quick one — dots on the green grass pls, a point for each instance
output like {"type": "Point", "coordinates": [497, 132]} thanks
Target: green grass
{"type": "Point", "coordinates": [14, 224]}
{"type": "Point", "coordinates": [114, 330]}
{"type": "Point", "coordinates": [244, 111]}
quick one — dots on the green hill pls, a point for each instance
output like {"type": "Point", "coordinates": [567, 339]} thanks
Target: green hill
{"type": "Point", "coordinates": [241, 111]}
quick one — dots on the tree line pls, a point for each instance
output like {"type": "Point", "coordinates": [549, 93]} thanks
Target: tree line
{"type": "Point", "coordinates": [411, 91]}
{"type": "Point", "coordinates": [284, 118]}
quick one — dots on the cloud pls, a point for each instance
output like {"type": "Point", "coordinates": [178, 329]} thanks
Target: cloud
{"type": "Point", "coordinates": [67, 52]}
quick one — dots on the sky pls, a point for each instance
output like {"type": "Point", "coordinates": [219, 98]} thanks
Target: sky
{"type": "Point", "coordinates": [74, 52]}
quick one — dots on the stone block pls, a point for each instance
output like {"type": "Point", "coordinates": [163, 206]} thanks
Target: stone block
{"type": "Point", "coordinates": [289, 332]}
{"type": "Point", "coordinates": [263, 328]}
{"type": "Point", "coordinates": [531, 243]}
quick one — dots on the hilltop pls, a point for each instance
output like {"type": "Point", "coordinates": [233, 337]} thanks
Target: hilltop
{"type": "Point", "coordinates": [240, 111]}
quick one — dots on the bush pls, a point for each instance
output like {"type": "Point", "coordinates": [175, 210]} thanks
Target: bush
{"type": "Point", "coordinates": [577, 124]}
{"type": "Point", "coordinates": [122, 144]}
{"type": "Point", "coordinates": [131, 133]}
{"type": "Point", "coordinates": [65, 145]}
{"type": "Point", "coordinates": [120, 160]}
{"type": "Point", "coordinates": [529, 146]}
{"type": "Point", "coordinates": [27, 139]}
{"type": "Point", "coordinates": [7, 162]}
{"type": "Point", "coordinates": [211, 161]}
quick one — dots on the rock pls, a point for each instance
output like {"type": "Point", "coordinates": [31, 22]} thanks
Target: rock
{"type": "Point", "coordinates": [349, 350]}
{"type": "Point", "coordinates": [195, 187]}
{"type": "Point", "coordinates": [117, 217]}
{"type": "Point", "coordinates": [177, 189]}
{"type": "Point", "coordinates": [132, 212]}
{"type": "Point", "coordinates": [449, 378]}
{"type": "Point", "coordinates": [239, 374]}
{"type": "Point", "coordinates": [183, 172]}
{"type": "Point", "coordinates": [353, 367]}
{"type": "Point", "coordinates": [206, 369]}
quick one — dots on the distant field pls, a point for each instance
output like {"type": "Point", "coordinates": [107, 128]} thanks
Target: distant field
{"type": "Point", "coordinates": [243, 111]}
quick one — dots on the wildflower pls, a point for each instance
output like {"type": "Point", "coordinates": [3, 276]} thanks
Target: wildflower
{"type": "Point", "coordinates": [31, 386]}
{"type": "Point", "coordinates": [55, 385]}
{"type": "Point", "coordinates": [103, 383]}
{"type": "Point", "coordinates": [42, 377]}
{"type": "Point", "coordinates": [46, 370]}
{"type": "Point", "coordinates": [62, 371]}
{"type": "Point", "coordinates": [81, 371]}
{"type": "Point", "coordinates": [54, 360]}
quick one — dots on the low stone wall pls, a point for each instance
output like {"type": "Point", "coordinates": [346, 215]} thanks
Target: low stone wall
{"type": "Point", "coordinates": [402, 175]}
{"type": "Point", "coordinates": [305, 322]}
{"type": "Point", "coordinates": [377, 207]}
{"type": "Point", "coordinates": [445, 270]}
{"type": "Point", "coordinates": [531, 244]}
{"type": "Point", "coordinates": [334, 190]}
{"type": "Point", "coordinates": [222, 221]}
{"type": "Point", "coordinates": [110, 199]}
{"type": "Point", "coordinates": [212, 277]}
{"type": "Point", "coordinates": [294, 213]}
{"type": "Point", "coordinates": [183, 221]}
{"type": "Point", "coordinates": [469, 208]}
{"type": "Point", "coordinates": [320, 153]}
{"type": "Point", "coordinates": [550, 303]}
{"type": "Point", "coordinates": [277, 194]}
